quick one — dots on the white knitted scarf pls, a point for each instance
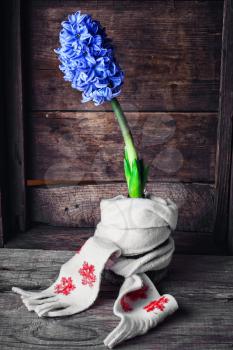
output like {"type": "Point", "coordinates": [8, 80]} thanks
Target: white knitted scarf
{"type": "Point", "coordinates": [133, 237]}
{"type": "Point", "coordinates": [139, 226]}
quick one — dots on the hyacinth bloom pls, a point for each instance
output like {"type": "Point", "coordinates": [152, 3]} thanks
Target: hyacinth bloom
{"type": "Point", "coordinates": [87, 60]}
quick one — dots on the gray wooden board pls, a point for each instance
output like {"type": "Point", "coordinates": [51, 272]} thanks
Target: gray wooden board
{"type": "Point", "coordinates": [225, 129]}
{"type": "Point", "coordinates": [88, 146]}
{"type": "Point", "coordinates": [78, 206]}
{"type": "Point", "coordinates": [171, 53]}
{"type": "Point", "coordinates": [202, 286]}
{"type": "Point", "coordinates": [14, 118]}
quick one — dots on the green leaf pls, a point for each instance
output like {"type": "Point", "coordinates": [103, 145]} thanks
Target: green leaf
{"type": "Point", "coordinates": [127, 171]}
{"type": "Point", "coordinates": [135, 189]}
{"type": "Point", "coordinates": [136, 175]}
{"type": "Point", "coordinates": [126, 155]}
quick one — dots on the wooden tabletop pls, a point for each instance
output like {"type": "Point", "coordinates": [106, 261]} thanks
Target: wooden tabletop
{"type": "Point", "coordinates": [202, 285]}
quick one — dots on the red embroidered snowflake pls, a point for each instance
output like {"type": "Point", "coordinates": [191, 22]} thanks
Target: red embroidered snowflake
{"type": "Point", "coordinates": [156, 304]}
{"type": "Point", "coordinates": [125, 306]}
{"type": "Point", "coordinates": [138, 294]}
{"type": "Point", "coordinates": [133, 296]}
{"type": "Point", "coordinates": [87, 271]}
{"type": "Point", "coordinates": [65, 286]}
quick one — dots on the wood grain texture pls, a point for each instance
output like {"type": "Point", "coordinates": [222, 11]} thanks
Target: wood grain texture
{"type": "Point", "coordinates": [2, 140]}
{"type": "Point", "coordinates": [202, 286]}
{"type": "Point", "coordinates": [78, 206]}
{"type": "Point", "coordinates": [227, 109]}
{"type": "Point", "coordinates": [225, 131]}
{"type": "Point", "coordinates": [166, 69]}
{"type": "Point", "coordinates": [14, 118]}
{"type": "Point", "coordinates": [88, 146]}
{"type": "Point", "coordinates": [68, 238]}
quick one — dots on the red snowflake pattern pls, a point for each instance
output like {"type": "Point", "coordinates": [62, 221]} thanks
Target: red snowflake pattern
{"type": "Point", "coordinates": [87, 271]}
{"type": "Point", "coordinates": [138, 294]}
{"type": "Point", "coordinates": [156, 304]}
{"type": "Point", "coordinates": [65, 286]}
{"type": "Point", "coordinates": [133, 296]}
{"type": "Point", "coordinates": [125, 306]}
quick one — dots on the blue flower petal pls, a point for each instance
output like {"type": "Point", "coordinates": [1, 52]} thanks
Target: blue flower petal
{"type": "Point", "coordinates": [87, 59]}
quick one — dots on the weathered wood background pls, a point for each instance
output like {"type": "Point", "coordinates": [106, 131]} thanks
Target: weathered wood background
{"type": "Point", "coordinates": [170, 52]}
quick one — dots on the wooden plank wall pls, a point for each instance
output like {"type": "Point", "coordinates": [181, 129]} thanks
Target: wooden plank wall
{"type": "Point", "coordinates": [170, 52]}
{"type": "Point", "coordinates": [13, 133]}
{"type": "Point", "coordinates": [1, 144]}
{"type": "Point", "coordinates": [79, 205]}
{"type": "Point", "coordinates": [226, 110]}
{"type": "Point", "coordinates": [12, 176]}
{"type": "Point", "coordinates": [225, 130]}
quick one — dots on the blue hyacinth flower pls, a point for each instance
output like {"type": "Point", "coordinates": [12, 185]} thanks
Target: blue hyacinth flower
{"type": "Point", "coordinates": [87, 59]}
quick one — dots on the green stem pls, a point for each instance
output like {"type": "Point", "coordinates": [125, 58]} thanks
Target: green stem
{"type": "Point", "coordinates": [126, 133]}
{"type": "Point", "coordinates": [135, 171]}
{"type": "Point", "coordinates": [133, 167]}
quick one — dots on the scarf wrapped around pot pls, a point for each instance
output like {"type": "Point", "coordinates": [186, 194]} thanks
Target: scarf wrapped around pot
{"type": "Point", "coordinates": [141, 227]}
{"type": "Point", "coordinates": [132, 238]}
